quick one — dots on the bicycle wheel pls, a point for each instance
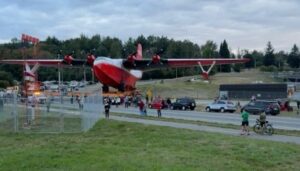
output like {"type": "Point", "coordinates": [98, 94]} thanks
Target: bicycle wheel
{"type": "Point", "coordinates": [257, 128]}
{"type": "Point", "coordinates": [269, 129]}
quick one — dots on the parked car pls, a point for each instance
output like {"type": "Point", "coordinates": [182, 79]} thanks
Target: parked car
{"type": "Point", "coordinates": [222, 106]}
{"type": "Point", "coordinates": [156, 103]}
{"type": "Point", "coordinates": [184, 104]}
{"type": "Point", "coordinates": [258, 106]}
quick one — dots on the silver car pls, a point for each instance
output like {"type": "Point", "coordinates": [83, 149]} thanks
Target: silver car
{"type": "Point", "coordinates": [222, 106]}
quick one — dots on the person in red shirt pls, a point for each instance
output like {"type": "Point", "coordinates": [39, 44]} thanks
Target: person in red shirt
{"type": "Point", "coordinates": [141, 106]}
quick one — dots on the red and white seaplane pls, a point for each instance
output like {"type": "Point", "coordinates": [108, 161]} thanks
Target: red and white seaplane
{"type": "Point", "coordinates": [121, 74]}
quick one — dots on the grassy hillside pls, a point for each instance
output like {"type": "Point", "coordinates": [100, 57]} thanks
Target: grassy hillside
{"type": "Point", "coordinates": [199, 89]}
{"type": "Point", "coordinates": [113, 145]}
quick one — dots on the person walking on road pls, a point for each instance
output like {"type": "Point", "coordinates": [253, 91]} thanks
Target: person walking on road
{"type": "Point", "coordinates": [141, 105]}
{"type": "Point", "coordinates": [48, 104]}
{"type": "Point", "coordinates": [106, 107]}
{"type": "Point", "coordinates": [159, 110]}
{"type": "Point", "coordinates": [245, 123]}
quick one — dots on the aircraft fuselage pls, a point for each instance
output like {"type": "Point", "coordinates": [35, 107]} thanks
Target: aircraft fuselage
{"type": "Point", "coordinates": [111, 72]}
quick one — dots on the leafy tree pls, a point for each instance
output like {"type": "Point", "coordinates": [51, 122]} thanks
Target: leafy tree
{"type": "Point", "coordinates": [294, 57]}
{"type": "Point", "coordinates": [258, 58]}
{"type": "Point", "coordinates": [281, 58]}
{"type": "Point", "coordinates": [4, 84]}
{"type": "Point", "coordinates": [209, 49]}
{"type": "Point", "coordinates": [5, 79]}
{"type": "Point", "coordinates": [251, 63]}
{"type": "Point", "coordinates": [129, 48]}
{"type": "Point", "coordinates": [269, 58]}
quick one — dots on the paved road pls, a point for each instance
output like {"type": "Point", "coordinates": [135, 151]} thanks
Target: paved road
{"type": "Point", "coordinates": [287, 123]}
{"type": "Point", "coordinates": [234, 132]}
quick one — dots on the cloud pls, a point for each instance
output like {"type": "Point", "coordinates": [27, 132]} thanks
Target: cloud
{"type": "Point", "coordinates": [244, 24]}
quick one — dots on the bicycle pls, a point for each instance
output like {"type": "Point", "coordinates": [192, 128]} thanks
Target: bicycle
{"type": "Point", "coordinates": [266, 129]}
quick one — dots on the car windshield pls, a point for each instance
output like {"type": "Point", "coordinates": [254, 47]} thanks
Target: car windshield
{"type": "Point", "coordinates": [179, 100]}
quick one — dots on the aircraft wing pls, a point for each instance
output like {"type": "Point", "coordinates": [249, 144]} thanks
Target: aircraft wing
{"type": "Point", "coordinates": [147, 65]}
{"type": "Point", "coordinates": [46, 62]}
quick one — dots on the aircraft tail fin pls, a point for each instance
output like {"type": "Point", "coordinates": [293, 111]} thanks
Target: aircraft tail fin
{"type": "Point", "coordinates": [139, 53]}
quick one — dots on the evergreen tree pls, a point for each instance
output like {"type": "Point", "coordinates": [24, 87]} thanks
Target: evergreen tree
{"type": "Point", "coordinates": [294, 57]}
{"type": "Point", "coordinates": [224, 53]}
{"type": "Point", "coordinates": [269, 58]}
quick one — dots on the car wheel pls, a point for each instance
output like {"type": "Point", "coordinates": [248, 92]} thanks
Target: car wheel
{"type": "Point", "coordinates": [183, 108]}
{"type": "Point", "coordinates": [172, 108]}
{"type": "Point", "coordinates": [222, 110]}
{"type": "Point", "coordinates": [207, 109]}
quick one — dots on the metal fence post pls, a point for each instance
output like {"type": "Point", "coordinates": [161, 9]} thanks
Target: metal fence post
{"type": "Point", "coordinates": [15, 114]}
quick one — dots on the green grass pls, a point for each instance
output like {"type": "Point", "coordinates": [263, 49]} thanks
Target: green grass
{"type": "Point", "coordinates": [43, 122]}
{"type": "Point", "coordinates": [113, 145]}
{"type": "Point", "coordinates": [180, 87]}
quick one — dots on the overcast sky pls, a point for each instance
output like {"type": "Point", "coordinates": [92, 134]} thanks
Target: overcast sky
{"type": "Point", "coordinates": [244, 24]}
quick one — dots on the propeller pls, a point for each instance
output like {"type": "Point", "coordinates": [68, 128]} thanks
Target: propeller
{"type": "Point", "coordinates": [91, 57]}
{"type": "Point", "coordinates": [69, 58]}
{"type": "Point", "coordinates": [156, 58]}
{"type": "Point", "coordinates": [131, 58]}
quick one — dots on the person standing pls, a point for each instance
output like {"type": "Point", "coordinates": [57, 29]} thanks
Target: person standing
{"type": "Point", "coordinates": [141, 106]}
{"type": "Point", "coordinates": [147, 99]}
{"type": "Point", "coordinates": [106, 107]}
{"type": "Point", "coordinates": [169, 103]}
{"type": "Point", "coordinates": [262, 119]}
{"type": "Point", "coordinates": [245, 123]}
{"type": "Point", "coordinates": [159, 107]}
{"type": "Point", "coordinates": [72, 99]}
{"type": "Point", "coordinates": [126, 101]}
{"type": "Point", "coordinates": [298, 107]}
{"type": "Point", "coordinates": [48, 103]}
{"type": "Point", "coordinates": [81, 103]}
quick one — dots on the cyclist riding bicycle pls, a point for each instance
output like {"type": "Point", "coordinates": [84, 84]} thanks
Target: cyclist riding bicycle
{"type": "Point", "coordinates": [262, 119]}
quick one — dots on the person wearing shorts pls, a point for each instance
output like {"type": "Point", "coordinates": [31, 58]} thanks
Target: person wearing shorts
{"type": "Point", "coordinates": [245, 123]}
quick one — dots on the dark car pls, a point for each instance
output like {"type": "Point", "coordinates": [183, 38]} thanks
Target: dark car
{"type": "Point", "coordinates": [258, 106]}
{"type": "Point", "coordinates": [184, 104]}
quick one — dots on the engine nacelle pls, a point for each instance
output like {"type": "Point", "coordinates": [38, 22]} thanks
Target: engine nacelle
{"type": "Point", "coordinates": [90, 60]}
{"type": "Point", "coordinates": [155, 59]}
{"type": "Point", "coordinates": [68, 59]}
{"type": "Point", "coordinates": [131, 58]}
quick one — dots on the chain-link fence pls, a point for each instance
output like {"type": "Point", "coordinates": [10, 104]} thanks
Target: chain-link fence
{"type": "Point", "coordinates": [50, 115]}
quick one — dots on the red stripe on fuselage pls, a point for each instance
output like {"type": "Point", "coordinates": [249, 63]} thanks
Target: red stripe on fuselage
{"type": "Point", "coordinates": [113, 76]}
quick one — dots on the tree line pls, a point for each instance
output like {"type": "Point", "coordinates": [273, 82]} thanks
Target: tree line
{"type": "Point", "coordinates": [53, 48]}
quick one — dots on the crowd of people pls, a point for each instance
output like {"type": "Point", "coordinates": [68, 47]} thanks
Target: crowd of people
{"type": "Point", "coordinates": [139, 102]}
